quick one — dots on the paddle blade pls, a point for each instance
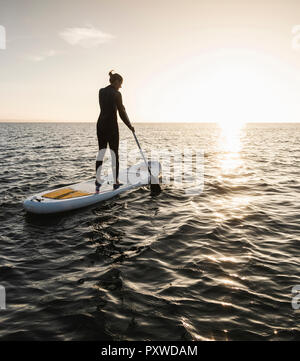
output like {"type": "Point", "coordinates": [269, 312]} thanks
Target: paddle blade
{"type": "Point", "coordinates": [155, 188]}
{"type": "Point", "coordinates": [154, 181]}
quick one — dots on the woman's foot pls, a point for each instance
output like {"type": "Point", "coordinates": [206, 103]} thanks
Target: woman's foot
{"type": "Point", "coordinates": [117, 185]}
{"type": "Point", "coordinates": [98, 185]}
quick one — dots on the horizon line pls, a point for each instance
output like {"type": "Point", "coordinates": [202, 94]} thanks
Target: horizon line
{"type": "Point", "coordinates": [91, 122]}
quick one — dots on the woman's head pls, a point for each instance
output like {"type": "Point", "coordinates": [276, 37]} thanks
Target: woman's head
{"type": "Point", "coordinates": [115, 80]}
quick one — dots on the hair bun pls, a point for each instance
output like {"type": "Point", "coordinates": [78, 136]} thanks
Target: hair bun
{"type": "Point", "coordinates": [114, 77]}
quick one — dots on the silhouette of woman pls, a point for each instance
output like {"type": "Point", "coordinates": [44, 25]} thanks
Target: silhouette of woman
{"type": "Point", "coordinates": [110, 101]}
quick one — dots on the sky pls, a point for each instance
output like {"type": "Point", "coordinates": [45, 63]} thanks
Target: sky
{"type": "Point", "coordinates": [182, 61]}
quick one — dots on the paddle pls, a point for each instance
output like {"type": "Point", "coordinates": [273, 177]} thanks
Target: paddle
{"type": "Point", "coordinates": [155, 188]}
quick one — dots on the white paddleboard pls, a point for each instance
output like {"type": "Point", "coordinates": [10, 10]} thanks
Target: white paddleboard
{"type": "Point", "coordinates": [83, 194]}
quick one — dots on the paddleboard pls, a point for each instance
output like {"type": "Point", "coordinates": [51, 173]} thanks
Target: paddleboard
{"type": "Point", "coordinates": [83, 194]}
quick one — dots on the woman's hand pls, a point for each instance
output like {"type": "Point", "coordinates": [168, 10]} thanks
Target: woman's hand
{"type": "Point", "coordinates": [131, 128]}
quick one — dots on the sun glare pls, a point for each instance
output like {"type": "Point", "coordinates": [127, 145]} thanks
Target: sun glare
{"type": "Point", "coordinates": [233, 89]}
{"type": "Point", "coordinates": [230, 88]}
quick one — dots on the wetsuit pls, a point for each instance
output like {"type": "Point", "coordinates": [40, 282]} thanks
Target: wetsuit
{"type": "Point", "coordinates": [110, 101]}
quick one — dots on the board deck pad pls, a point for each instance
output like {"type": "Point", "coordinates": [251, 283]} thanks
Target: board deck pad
{"type": "Point", "coordinates": [65, 193]}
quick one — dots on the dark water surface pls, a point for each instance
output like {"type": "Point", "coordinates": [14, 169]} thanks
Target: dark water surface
{"type": "Point", "coordinates": [217, 265]}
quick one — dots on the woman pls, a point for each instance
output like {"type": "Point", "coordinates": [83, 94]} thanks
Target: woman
{"type": "Point", "coordinates": [110, 100]}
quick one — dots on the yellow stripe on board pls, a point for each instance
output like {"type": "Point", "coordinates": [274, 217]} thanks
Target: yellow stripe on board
{"type": "Point", "coordinates": [65, 193]}
{"type": "Point", "coordinates": [59, 193]}
{"type": "Point", "coordinates": [75, 194]}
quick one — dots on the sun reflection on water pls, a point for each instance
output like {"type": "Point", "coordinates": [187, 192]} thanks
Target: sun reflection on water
{"type": "Point", "coordinates": [230, 173]}
{"type": "Point", "coordinates": [229, 207]}
{"type": "Point", "coordinates": [229, 144]}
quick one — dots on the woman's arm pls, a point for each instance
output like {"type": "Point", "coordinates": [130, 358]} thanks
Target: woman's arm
{"type": "Point", "coordinates": [122, 111]}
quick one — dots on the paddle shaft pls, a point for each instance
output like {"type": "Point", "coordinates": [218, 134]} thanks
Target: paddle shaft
{"type": "Point", "coordinates": [137, 142]}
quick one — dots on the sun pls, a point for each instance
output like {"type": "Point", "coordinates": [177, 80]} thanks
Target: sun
{"type": "Point", "coordinates": [236, 93]}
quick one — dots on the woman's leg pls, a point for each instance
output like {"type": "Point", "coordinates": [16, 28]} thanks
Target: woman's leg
{"type": "Point", "coordinates": [114, 148]}
{"type": "Point", "coordinates": [102, 144]}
